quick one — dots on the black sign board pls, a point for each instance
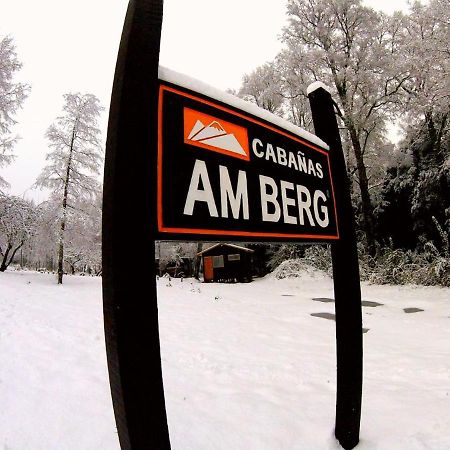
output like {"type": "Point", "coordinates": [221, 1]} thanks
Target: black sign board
{"type": "Point", "coordinates": [182, 163]}
{"type": "Point", "coordinates": [224, 172]}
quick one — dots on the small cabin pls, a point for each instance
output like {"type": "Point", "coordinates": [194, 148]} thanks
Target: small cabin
{"type": "Point", "coordinates": [177, 269]}
{"type": "Point", "coordinates": [226, 263]}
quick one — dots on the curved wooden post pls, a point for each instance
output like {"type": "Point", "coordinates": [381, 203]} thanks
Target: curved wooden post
{"type": "Point", "coordinates": [129, 232]}
{"type": "Point", "coordinates": [347, 290]}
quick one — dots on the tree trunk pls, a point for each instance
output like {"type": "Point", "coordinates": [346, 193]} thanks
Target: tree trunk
{"type": "Point", "coordinates": [61, 251]}
{"type": "Point", "coordinates": [13, 255]}
{"type": "Point", "coordinates": [197, 261]}
{"type": "Point", "coordinates": [4, 263]}
{"type": "Point", "coordinates": [440, 133]}
{"type": "Point", "coordinates": [64, 212]}
{"type": "Point", "coordinates": [366, 202]}
{"type": "Point", "coordinates": [61, 236]}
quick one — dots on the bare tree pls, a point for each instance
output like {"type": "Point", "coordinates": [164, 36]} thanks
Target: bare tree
{"type": "Point", "coordinates": [353, 49]}
{"type": "Point", "coordinates": [263, 87]}
{"type": "Point", "coordinates": [83, 240]}
{"type": "Point", "coordinates": [17, 225]}
{"type": "Point", "coordinates": [75, 159]}
{"type": "Point", "coordinates": [426, 50]}
{"type": "Point", "coordinates": [12, 96]}
{"type": "Point", "coordinates": [279, 88]}
{"type": "Point", "coordinates": [40, 252]}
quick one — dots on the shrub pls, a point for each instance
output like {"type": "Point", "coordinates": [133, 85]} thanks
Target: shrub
{"type": "Point", "coordinates": [319, 257]}
{"type": "Point", "coordinates": [427, 267]}
{"type": "Point", "coordinates": [293, 268]}
{"type": "Point", "coordinates": [398, 266]}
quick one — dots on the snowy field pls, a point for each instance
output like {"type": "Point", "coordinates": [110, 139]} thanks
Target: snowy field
{"type": "Point", "coordinates": [245, 366]}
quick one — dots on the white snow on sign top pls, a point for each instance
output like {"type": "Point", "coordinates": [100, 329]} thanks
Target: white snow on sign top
{"type": "Point", "coordinates": [192, 84]}
{"type": "Point", "coordinates": [317, 85]}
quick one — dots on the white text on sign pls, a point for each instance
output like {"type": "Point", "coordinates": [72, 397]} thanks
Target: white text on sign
{"type": "Point", "coordinates": [281, 201]}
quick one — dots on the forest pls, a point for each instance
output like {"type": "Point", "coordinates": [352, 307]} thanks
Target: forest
{"type": "Point", "coordinates": [387, 74]}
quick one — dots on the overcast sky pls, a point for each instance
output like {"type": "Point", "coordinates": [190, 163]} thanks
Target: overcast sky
{"type": "Point", "coordinates": [71, 46]}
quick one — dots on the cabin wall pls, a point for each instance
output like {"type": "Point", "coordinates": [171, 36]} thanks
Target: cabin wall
{"type": "Point", "coordinates": [227, 264]}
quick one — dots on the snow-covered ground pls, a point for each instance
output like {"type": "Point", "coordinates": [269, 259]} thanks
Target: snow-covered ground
{"type": "Point", "coordinates": [54, 391]}
{"type": "Point", "coordinates": [245, 366]}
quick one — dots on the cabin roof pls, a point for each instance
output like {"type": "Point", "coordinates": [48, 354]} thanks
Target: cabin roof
{"type": "Point", "coordinates": [237, 247]}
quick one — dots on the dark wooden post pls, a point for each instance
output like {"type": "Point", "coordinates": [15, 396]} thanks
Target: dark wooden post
{"type": "Point", "coordinates": [129, 231]}
{"type": "Point", "coordinates": [347, 288]}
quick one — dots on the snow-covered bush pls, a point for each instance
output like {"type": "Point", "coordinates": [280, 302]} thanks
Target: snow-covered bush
{"type": "Point", "coordinates": [392, 266]}
{"type": "Point", "coordinates": [283, 253]}
{"type": "Point", "coordinates": [319, 257]}
{"type": "Point", "coordinates": [295, 268]}
{"type": "Point", "coordinates": [398, 266]}
{"type": "Point", "coordinates": [287, 262]}
{"type": "Point", "coordinates": [290, 268]}
{"type": "Point", "coordinates": [315, 255]}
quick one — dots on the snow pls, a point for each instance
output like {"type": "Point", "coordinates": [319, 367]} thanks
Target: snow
{"type": "Point", "coordinates": [54, 391]}
{"type": "Point", "coordinates": [317, 85]}
{"type": "Point", "coordinates": [245, 366]}
{"type": "Point", "coordinates": [192, 84]}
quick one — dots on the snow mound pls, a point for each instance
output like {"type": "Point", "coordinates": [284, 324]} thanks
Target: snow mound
{"type": "Point", "coordinates": [297, 268]}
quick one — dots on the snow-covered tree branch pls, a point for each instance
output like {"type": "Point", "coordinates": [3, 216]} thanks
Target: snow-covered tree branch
{"type": "Point", "coordinates": [17, 226]}
{"type": "Point", "coordinates": [74, 161]}
{"type": "Point", "coordinates": [12, 96]}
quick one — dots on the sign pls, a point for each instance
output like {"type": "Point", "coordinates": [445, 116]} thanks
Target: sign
{"type": "Point", "coordinates": [186, 162]}
{"type": "Point", "coordinates": [223, 171]}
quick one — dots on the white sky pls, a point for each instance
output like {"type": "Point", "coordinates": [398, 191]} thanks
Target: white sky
{"type": "Point", "coordinates": [68, 46]}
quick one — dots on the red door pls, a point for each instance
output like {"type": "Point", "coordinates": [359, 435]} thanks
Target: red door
{"type": "Point", "coordinates": [208, 271]}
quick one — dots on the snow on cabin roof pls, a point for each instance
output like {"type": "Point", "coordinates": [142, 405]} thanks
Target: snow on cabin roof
{"type": "Point", "coordinates": [237, 247]}
{"type": "Point", "coordinates": [187, 82]}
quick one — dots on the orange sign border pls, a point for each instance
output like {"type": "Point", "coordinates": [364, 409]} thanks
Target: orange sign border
{"type": "Point", "coordinates": [213, 232]}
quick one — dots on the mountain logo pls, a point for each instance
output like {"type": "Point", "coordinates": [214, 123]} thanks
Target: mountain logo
{"type": "Point", "coordinates": [211, 133]}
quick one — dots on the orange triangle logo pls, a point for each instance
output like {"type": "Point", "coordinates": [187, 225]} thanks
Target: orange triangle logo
{"type": "Point", "coordinates": [211, 133]}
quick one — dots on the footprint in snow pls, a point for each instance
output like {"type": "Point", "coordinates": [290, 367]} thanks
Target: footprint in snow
{"type": "Point", "coordinates": [412, 310]}
{"type": "Point", "coordinates": [323, 300]}
{"type": "Point", "coordinates": [367, 303]}
{"type": "Point", "coordinates": [371, 304]}
{"type": "Point", "coordinates": [324, 315]}
{"type": "Point", "coordinates": [330, 316]}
